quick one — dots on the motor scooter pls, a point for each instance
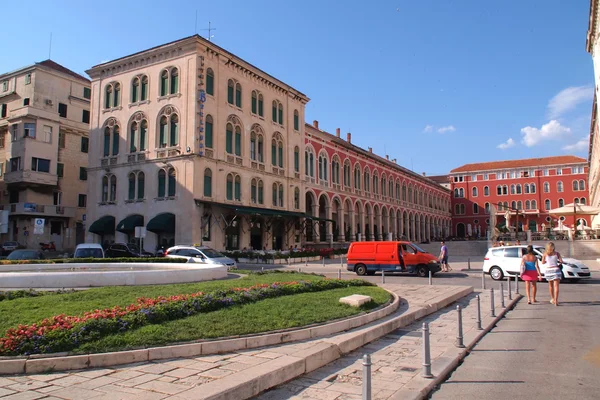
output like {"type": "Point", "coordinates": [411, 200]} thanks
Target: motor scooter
{"type": "Point", "coordinates": [49, 246]}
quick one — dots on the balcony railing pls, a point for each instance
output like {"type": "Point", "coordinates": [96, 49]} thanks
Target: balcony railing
{"type": "Point", "coordinates": [31, 177]}
{"type": "Point", "coordinates": [42, 210]}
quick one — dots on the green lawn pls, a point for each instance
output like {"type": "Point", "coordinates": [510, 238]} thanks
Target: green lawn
{"type": "Point", "coordinates": [265, 315]}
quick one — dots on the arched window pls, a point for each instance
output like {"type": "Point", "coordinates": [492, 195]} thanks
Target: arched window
{"type": "Point", "coordinates": [582, 185]}
{"type": "Point", "coordinates": [456, 195]}
{"type": "Point", "coordinates": [139, 88]}
{"type": "Point", "coordinates": [335, 171]}
{"type": "Point", "coordinates": [527, 205]}
{"type": "Point", "coordinates": [323, 168]}
{"type": "Point", "coordinates": [277, 195]}
{"type": "Point", "coordinates": [582, 201]}
{"type": "Point", "coordinates": [519, 205]}
{"type": "Point", "coordinates": [347, 179]}
{"type": "Point", "coordinates": [112, 95]}
{"type": "Point", "coordinates": [131, 191]}
{"type": "Point", "coordinates": [169, 81]}
{"type": "Point", "coordinates": [383, 186]}
{"type": "Point", "coordinates": [513, 205]}
{"type": "Point", "coordinates": [277, 150]}
{"type": "Point", "coordinates": [486, 190]}
{"type": "Point", "coordinates": [238, 95]}
{"type": "Point", "coordinates": [105, 188]}
{"type": "Point", "coordinates": [296, 198]}
{"type": "Point", "coordinates": [546, 187]}
{"type": "Point", "coordinates": [237, 188]}
{"type": "Point", "coordinates": [513, 189]}
{"type": "Point", "coordinates": [461, 193]}
{"type": "Point", "coordinates": [256, 191]}
{"type": "Point", "coordinates": [208, 132]}
{"type": "Point", "coordinates": [229, 187]}
{"type": "Point", "coordinates": [261, 192]}
{"type": "Point", "coordinates": [277, 112]}
{"type": "Point", "coordinates": [357, 177]}
{"type": "Point", "coordinates": [167, 182]}
{"type": "Point", "coordinates": [561, 203]}
{"type": "Point", "coordinates": [168, 128]}
{"type": "Point", "coordinates": [296, 159]}
{"type": "Point", "coordinates": [462, 209]}
{"type": "Point", "coordinates": [532, 188]}
{"type": "Point", "coordinates": [367, 179]}
{"type": "Point", "coordinates": [375, 183]}
{"type": "Point", "coordinates": [207, 182]}
{"type": "Point", "coordinates": [138, 132]}
{"type": "Point", "coordinates": [309, 163]}
{"type": "Point", "coordinates": [254, 102]}
{"type": "Point", "coordinates": [256, 144]}
{"type": "Point", "coordinates": [296, 120]}
{"type": "Point", "coordinates": [238, 141]}
{"type": "Point", "coordinates": [559, 187]}
{"type": "Point", "coordinates": [210, 82]}
{"type": "Point", "coordinates": [505, 190]}
{"type": "Point", "coordinates": [547, 204]}
{"type": "Point", "coordinates": [475, 208]}
{"type": "Point", "coordinates": [403, 192]}
{"type": "Point", "coordinates": [234, 93]}
{"type": "Point", "coordinates": [233, 138]}
{"type": "Point", "coordinates": [474, 192]}
{"type": "Point", "coordinates": [457, 209]}
{"type": "Point", "coordinates": [533, 205]}
{"type": "Point", "coordinates": [499, 190]}
{"type": "Point", "coordinates": [575, 185]}
{"type": "Point", "coordinates": [526, 188]}
{"type": "Point", "coordinates": [141, 183]}
{"type": "Point", "coordinates": [113, 188]}
{"type": "Point", "coordinates": [519, 189]}
{"type": "Point", "coordinates": [487, 208]}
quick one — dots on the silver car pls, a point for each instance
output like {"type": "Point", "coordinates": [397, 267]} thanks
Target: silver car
{"type": "Point", "coordinates": [200, 254]}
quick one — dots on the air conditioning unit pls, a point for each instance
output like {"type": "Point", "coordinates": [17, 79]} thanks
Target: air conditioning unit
{"type": "Point", "coordinates": [48, 102]}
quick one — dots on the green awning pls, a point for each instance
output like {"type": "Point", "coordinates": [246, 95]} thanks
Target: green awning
{"type": "Point", "coordinates": [129, 223]}
{"type": "Point", "coordinates": [103, 225]}
{"type": "Point", "coordinates": [319, 219]}
{"type": "Point", "coordinates": [256, 210]}
{"type": "Point", "coordinates": [162, 223]}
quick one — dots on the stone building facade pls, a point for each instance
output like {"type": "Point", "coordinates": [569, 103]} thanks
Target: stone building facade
{"type": "Point", "coordinates": [200, 147]}
{"type": "Point", "coordinates": [44, 117]}
{"type": "Point", "coordinates": [593, 47]}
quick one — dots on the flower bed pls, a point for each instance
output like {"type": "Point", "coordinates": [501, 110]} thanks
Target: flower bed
{"type": "Point", "coordinates": [17, 294]}
{"type": "Point", "coordinates": [65, 333]}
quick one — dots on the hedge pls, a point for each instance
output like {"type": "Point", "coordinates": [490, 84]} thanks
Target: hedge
{"type": "Point", "coordinates": [97, 260]}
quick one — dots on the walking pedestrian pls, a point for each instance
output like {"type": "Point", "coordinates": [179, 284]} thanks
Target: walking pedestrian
{"type": "Point", "coordinates": [444, 258]}
{"type": "Point", "coordinates": [530, 273]}
{"type": "Point", "coordinates": [553, 273]}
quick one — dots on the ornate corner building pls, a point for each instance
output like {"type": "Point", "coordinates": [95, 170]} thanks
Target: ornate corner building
{"type": "Point", "coordinates": [200, 146]}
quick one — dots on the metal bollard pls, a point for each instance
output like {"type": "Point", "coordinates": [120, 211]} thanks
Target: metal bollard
{"type": "Point", "coordinates": [502, 294]}
{"type": "Point", "coordinates": [430, 278]}
{"type": "Point", "coordinates": [299, 270]}
{"type": "Point", "coordinates": [366, 393]}
{"type": "Point", "coordinates": [479, 328]}
{"type": "Point", "coordinates": [340, 273]}
{"type": "Point", "coordinates": [492, 307]}
{"type": "Point", "coordinates": [469, 263]}
{"type": "Point", "coordinates": [509, 290]}
{"type": "Point", "coordinates": [516, 284]}
{"type": "Point", "coordinates": [323, 258]}
{"type": "Point", "coordinates": [262, 269]}
{"type": "Point", "coordinates": [305, 263]}
{"type": "Point", "coordinates": [459, 336]}
{"type": "Point", "coordinates": [341, 262]}
{"type": "Point", "coordinates": [482, 280]}
{"type": "Point", "coordinates": [382, 276]}
{"type": "Point", "coordinates": [426, 373]}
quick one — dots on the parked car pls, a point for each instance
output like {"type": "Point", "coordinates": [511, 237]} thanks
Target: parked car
{"type": "Point", "coordinates": [7, 247]}
{"type": "Point", "coordinates": [25, 254]}
{"type": "Point", "coordinates": [117, 250]}
{"type": "Point", "coordinates": [200, 254]}
{"type": "Point", "coordinates": [500, 262]}
{"type": "Point", "coordinates": [366, 258]}
{"type": "Point", "coordinates": [89, 250]}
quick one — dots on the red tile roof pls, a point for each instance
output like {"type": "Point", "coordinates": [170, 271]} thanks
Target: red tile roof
{"type": "Point", "coordinates": [57, 67]}
{"type": "Point", "coordinates": [441, 179]}
{"type": "Point", "coordinates": [526, 163]}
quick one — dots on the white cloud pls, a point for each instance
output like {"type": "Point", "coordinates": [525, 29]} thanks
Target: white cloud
{"type": "Point", "coordinates": [578, 147]}
{"type": "Point", "coordinates": [506, 145]}
{"type": "Point", "coordinates": [444, 129]}
{"type": "Point", "coordinates": [553, 130]}
{"type": "Point", "coordinates": [428, 128]}
{"type": "Point", "coordinates": [567, 99]}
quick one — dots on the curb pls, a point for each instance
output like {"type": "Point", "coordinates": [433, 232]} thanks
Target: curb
{"type": "Point", "coordinates": [445, 370]}
{"type": "Point", "coordinates": [41, 363]}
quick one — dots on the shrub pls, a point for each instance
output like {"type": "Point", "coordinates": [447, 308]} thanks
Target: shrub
{"type": "Point", "coordinates": [96, 260]}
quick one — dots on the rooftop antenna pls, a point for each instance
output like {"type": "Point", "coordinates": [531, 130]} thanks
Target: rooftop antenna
{"type": "Point", "coordinates": [50, 48]}
{"type": "Point", "coordinates": [209, 31]}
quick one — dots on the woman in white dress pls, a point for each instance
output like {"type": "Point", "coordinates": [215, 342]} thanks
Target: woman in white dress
{"type": "Point", "coordinates": [553, 273]}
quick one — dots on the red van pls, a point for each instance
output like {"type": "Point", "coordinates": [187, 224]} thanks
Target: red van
{"type": "Point", "coordinates": [370, 257]}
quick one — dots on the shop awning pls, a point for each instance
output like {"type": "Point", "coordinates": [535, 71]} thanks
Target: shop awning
{"type": "Point", "coordinates": [319, 219]}
{"type": "Point", "coordinates": [103, 225]}
{"type": "Point", "coordinates": [129, 223]}
{"type": "Point", "coordinates": [162, 223]}
{"type": "Point", "coordinates": [256, 210]}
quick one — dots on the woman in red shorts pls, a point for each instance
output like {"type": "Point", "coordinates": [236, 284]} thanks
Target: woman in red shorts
{"type": "Point", "coordinates": [531, 273]}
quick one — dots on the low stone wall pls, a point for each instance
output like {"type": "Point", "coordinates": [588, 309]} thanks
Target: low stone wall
{"type": "Point", "coordinates": [98, 274]}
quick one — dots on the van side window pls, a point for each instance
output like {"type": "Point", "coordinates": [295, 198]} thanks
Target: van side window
{"type": "Point", "coordinates": [498, 252]}
{"type": "Point", "coordinates": [408, 249]}
{"type": "Point", "coordinates": [512, 252]}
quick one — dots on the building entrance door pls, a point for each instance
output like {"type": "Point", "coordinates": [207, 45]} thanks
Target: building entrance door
{"type": "Point", "coordinates": [256, 235]}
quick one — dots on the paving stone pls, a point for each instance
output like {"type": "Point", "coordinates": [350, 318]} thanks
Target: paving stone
{"type": "Point", "coordinates": [125, 374]}
{"type": "Point", "coordinates": [156, 368]}
{"type": "Point", "coordinates": [69, 380]}
{"type": "Point", "coordinates": [181, 372]}
{"type": "Point", "coordinates": [138, 380]}
{"type": "Point", "coordinates": [167, 379]}
{"type": "Point", "coordinates": [201, 366]}
{"type": "Point", "coordinates": [215, 373]}
{"type": "Point", "coordinates": [245, 359]}
{"type": "Point", "coordinates": [235, 366]}
{"type": "Point", "coordinates": [95, 373]}
{"type": "Point", "coordinates": [24, 396]}
{"type": "Point", "coordinates": [120, 389]}
{"type": "Point", "coordinates": [25, 386]}
{"type": "Point", "coordinates": [73, 393]}
{"type": "Point", "coordinates": [163, 387]}
{"type": "Point", "coordinates": [6, 392]}
{"type": "Point", "coordinates": [267, 354]}
{"type": "Point", "coordinates": [194, 380]}
{"type": "Point", "coordinates": [43, 377]}
{"type": "Point", "coordinates": [96, 382]}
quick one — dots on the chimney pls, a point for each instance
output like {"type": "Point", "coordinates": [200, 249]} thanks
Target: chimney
{"type": "Point", "coordinates": [337, 132]}
{"type": "Point", "coordinates": [394, 161]}
{"type": "Point", "coordinates": [370, 149]}
{"type": "Point", "coordinates": [424, 174]}
{"type": "Point", "coordinates": [349, 137]}
{"type": "Point", "coordinates": [387, 157]}
{"type": "Point", "coordinates": [316, 124]}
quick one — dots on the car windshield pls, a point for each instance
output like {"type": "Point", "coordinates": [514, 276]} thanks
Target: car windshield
{"type": "Point", "coordinates": [420, 250]}
{"type": "Point", "coordinates": [88, 253]}
{"type": "Point", "coordinates": [210, 253]}
{"type": "Point", "coordinates": [23, 255]}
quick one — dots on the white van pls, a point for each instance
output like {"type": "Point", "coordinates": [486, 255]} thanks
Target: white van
{"type": "Point", "coordinates": [89, 250]}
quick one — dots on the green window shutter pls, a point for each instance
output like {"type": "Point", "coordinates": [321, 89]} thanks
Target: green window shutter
{"type": "Point", "coordinates": [229, 141]}
{"type": "Point", "coordinates": [87, 93]}
{"type": "Point", "coordinates": [162, 180]}
{"type": "Point", "coordinates": [60, 170]}
{"type": "Point", "coordinates": [238, 144]}
{"type": "Point", "coordinates": [238, 97]}
{"type": "Point", "coordinates": [238, 191]}
{"type": "Point", "coordinates": [281, 116]}
{"type": "Point", "coordinates": [132, 147]}
{"type": "Point", "coordinates": [280, 156]}
{"type": "Point", "coordinates": [273, 154]}
{"type": "Point", "coordinates": [253, 193]}
{"type": "Point", "coordinates": [296, 161]}
{"type": "Point", "coordinates": [106, 145]}
{"type": "Point", "coordinates": [296, 123]}
{"type": "Point", "coordinates": [274, 196]}
{"type": "Point", "coordinates": [141, 184]}
{"type": "Point", "coordinates": [260, 108]}
{"type": "Point", "coordinates": [208, 135]}
{"type": "Point", "coordinates": [174, 139]}
{"type": "Point", "coordinates": [115, 145]}
{"type": "Point", "coordinates": [131, 192]}
{"type": "Point", "coordinates": [134, 93]}
{"type": "Point", "coordinates": [207, 186]}
{"type": "Point", "coordinates": [164, 83]}
{"type": "Point", "coordinates": [230, 94]}
{"type": "Point", "coordinates": [275, 113]}
{"type": "Point", "coordinates": [163, 135]}
{"type": "Point", "coordinates": [229, 190]}
{"type": "Point", "coordinates": [144, 91]}
{"type": "Point", "coordinates": [82, 173]}
{"type": "Point", "coordinates": [210, 85]}
{"type": "Point", "coordinates": [260, 195]}
{"type": "Point", "coordinates": [172, 184]}
{"type": "Point", "coordinates": [142, 138]}
{"type": "Point", "coordinates": [254, 105]}
{"type": "Point", "coordinates": [174, 84]}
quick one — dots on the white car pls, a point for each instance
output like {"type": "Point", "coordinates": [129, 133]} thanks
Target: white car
{"type": "Point", "coordinates": [89, 250]}
{"type": "Point", "coordinates": [200, 254]}
{"type": "Point", "coordinates": [500, 262]}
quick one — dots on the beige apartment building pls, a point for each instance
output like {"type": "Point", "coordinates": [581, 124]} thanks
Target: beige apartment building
{"type": "Point", "coordinates": [593, 47]}
{"type": "Point", "coordinates": [44, 119]}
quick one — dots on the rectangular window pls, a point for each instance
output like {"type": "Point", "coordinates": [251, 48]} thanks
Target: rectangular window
{"type": "Point", "coordinates": [47, 137]}
{"type": "Point", "coordinates": [297, 163]}
{"type": "Point", "coordinates": [85, 117]}
{"type": "Point", "coordinates": [40, 164]}
{"type": "Point", "coordinates": [87, 93]}
{"type": "Point", "coordinates": [474, 178]}
{"type": "Point", "coordinates": [296, 122]}
{"type": "Point", "coordinates": [29, 130]}
{"type": "Point", "coordinates": [57, 198]}
{"type": "Point", "coordinates": [62, 110]}
{"type": "Point", "coordinates": [5, 86]}
{"type": "Point", "coordinates": [85, 143]}
{"type": "Point", "coordinates": [546, 172]}
{"type": "Point", "coordinates": [15, 164]}
{"type": "Point", "coordinates": [14, 132]}
{"type": "Point", "coordinates": [13, 196]}
{"type": "Point", "coordinates": [4, 111]}
{"type": "Point", "coordinates": [1, 168]}
{"type": "Point", "coordinates": [82, 201]}
{"type": "Point", "coordinates": [559, 171]}
{"type": "Point", "coordinates": [61, 140]}
{"type": "Point", "coordinates": [486, 177]}
{"type": "Point", "coordinates": [60, 170]}
{"type": "Point", "coordinates": [82, 174]}
{"type": "Point", "coordinates": [26, 101]}
{"type": "Point", "coordinates": [27, 79]}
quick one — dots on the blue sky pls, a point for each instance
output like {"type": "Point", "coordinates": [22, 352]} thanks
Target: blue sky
{"type": "Point", "coordinates": [433, 83]}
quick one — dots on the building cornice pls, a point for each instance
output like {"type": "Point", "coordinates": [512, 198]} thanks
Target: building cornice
{"type": "Point", "coordinates": [592, 26]}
